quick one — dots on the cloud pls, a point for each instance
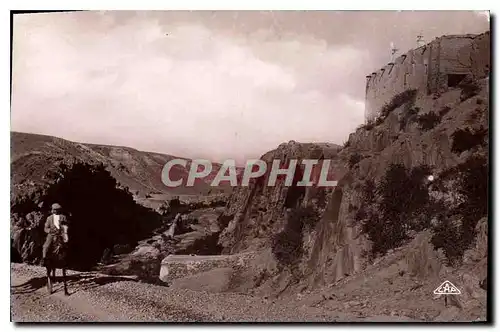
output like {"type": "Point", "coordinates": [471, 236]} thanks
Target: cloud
{"type": "Point", "coordinates": [183, 87]}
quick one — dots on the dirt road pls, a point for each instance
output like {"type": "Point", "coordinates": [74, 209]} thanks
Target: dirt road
{"type": "Point", "coordinates": [95, 297]}
{"type": "Point", "coordinates": [100, 298]}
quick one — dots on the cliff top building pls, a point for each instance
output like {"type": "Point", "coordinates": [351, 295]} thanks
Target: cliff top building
{"type": "Point", "coordinates": [430, 68]}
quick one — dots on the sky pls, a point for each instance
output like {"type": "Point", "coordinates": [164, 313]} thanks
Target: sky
{"type": "Point", "coordinates": [207, 84]}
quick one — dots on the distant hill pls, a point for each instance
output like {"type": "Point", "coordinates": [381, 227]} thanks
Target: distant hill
{"type": "Point", "coordinates": [33, 155]}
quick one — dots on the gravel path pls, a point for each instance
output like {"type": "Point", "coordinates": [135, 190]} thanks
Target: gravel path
{"type": "Point", "coordinates": [96, 297]}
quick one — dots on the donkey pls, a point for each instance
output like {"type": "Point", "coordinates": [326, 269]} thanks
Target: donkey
{"type": "Point", "coordinates": [57, 258]}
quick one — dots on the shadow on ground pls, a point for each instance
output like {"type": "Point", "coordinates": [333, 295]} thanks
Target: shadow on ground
{"type": "Point", "coordinates": [76, 282]}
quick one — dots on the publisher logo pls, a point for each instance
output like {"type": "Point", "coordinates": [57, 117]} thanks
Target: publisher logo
{"type": "Point", "coordinates": [447, 288]}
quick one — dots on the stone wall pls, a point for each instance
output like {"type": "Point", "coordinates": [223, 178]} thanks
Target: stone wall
{"type": "Point", "coordinates": [427, 68]}
{"type": "Point", "coordinates": [179, 266]}
{"type": "Point", "coordinates": [409, 71]}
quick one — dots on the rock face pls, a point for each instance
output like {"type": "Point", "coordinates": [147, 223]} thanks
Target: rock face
{"type": "Point", "coordinates": [422, 260]}
{"type": "Point", "coordinates": [256, 212]}
{"type": "Point", "coordinates": [336, 247]}
{"type": "Point", "coordinates": [81, 189]}
{"type": "Point", "coordinates": [339, 240]}
{"type": "Point", "coordinates": [27, 236]}
{"type": "Point", "coordinates": [189, 233]}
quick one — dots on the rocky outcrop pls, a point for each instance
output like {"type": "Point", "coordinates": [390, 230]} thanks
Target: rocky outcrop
{"type": "Point", "coordinates": [27, 236]}
{"type": "Point", "coordinates": [144, 263]}
{"type": "Point", "coordinates": [422, 260]}
{"type": "Point", "coordinates": [336, 247]}
{"type": "Point", "coordinates": [256, 212]}
{"type": "Point", "coordinates": [479, 251]}
{"type": "Point", "coordinates": [184, 234]}
{"type": "Point", "coordinates": [339, 246]}
{"type": "Point", "coordinates": [100, 213]}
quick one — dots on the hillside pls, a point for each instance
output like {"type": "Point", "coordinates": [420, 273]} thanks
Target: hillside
{"type": "Point", "coordinates": [33, 155]}
{"type": "Point", "coordinates": [114, 195]}
{"type": "Point", "coordinates": [409, 212]}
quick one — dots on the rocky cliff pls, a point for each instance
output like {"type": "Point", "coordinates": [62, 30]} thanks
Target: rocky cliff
{"type": "Point", "coordinates": [257, 211]}
{"type": "Point", "coordinates": [406, 196]}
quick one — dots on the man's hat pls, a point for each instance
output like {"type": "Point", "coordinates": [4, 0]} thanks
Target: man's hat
{"type": "Point", "coordinates": [56, 206]}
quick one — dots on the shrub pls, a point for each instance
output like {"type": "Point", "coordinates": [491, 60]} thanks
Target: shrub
{"type": "Point", "coordinates": [361, 214]}
{"type": "Point", "coordinates": [393, 203]}
{"type": "Point", "coordinates": [397, 207]}
{"type": "Point", "coordinates": [464, 139]}
{"type": "Point", "coordinates": [447, 236]}
{"type": "Point", "coordinates": [469, 88]}
{"type": "Point", "coordinates": [321, 196]}
{"type": "Point", "coordinates": [369, 125]}
{"type": "Point", "coordinates": [405, 97]}
{"type": "Point", "coordinates": [287, 244]}
{"type": "Point", "coordinates": [308, 216]}
{"type": "Point", "coordinates": [472, 186]}
{"type": "Point", "coordinates": [407, 116]}
{"type": "Point", "coordinates": [354, 159]}
{"type": "Point", "coordinates": [428, 121]}
{"type": "Point", "coordinates": [384, 235]}
{"type": "Point", "coordinates": [351, 208]}
{"type": "Point", "coordinates": [420, 205]}
{"type": "Point", "coordinates": [369, 190]}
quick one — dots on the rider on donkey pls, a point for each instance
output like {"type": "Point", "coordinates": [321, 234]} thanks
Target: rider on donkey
{"type": "Point", "coordinates": [52, 227]}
